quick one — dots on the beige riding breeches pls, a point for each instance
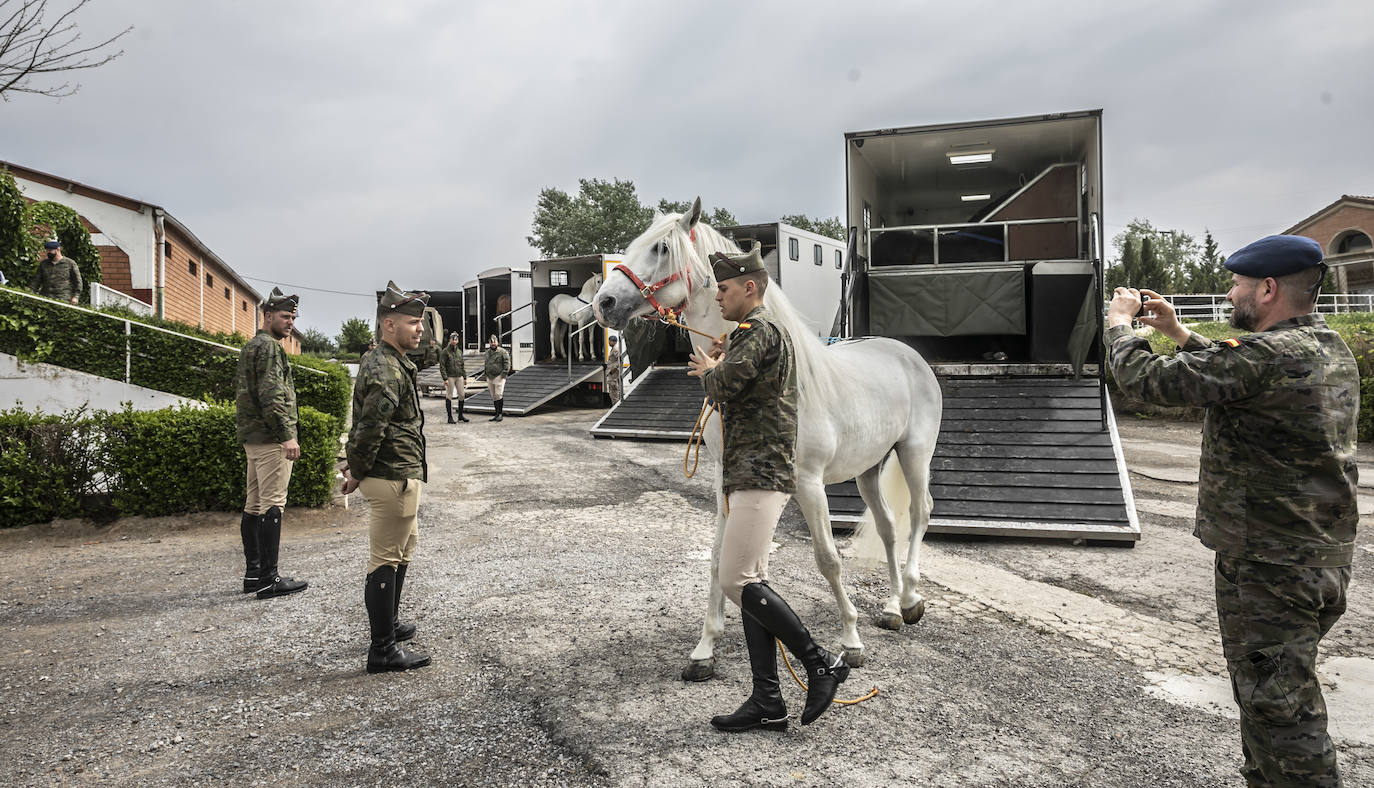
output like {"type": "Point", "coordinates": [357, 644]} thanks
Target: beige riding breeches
{"type": "Point", "coordinates": [453, 387]}
{"type": "Point", "coordinates": [497, 387]}
{"type": "Point", "coordinates": [394, 528]}
{"type": "Point", "coordinates": [269, 474]}
{"type": "Point", "coordinates": [748, 536]}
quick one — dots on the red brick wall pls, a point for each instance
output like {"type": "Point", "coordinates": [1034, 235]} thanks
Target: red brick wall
{"type": "Point", "coordinates": [1328, 228]}
{"type": "Point", "coordinates": [114, 269]}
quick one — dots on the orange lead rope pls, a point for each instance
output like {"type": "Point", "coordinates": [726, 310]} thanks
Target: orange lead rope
{"type": "Point", "coordinates": [872, 693]}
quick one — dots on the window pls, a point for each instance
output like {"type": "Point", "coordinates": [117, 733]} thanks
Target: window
{"type": "Point", "coordinates": [558, 279]}
{"type": "Point", "coordinates": [245, 306]}
{"type": "Point", "coordinates": [209, 279]}
{"type": "Point", "coordinates": [166, 248]}
{"type": "Point", "coordinates": [793, 249]}
{"type": "Point", "coordinates": [1353, 241]}
{"type": "Point", "coordinates": [818, 254]}
{"type": "Point", "coordinates": [191, 267]}
{"type": "Point", "coordinates": [226, 294]}
{"type": "Point", "coordinates": [839, 259]}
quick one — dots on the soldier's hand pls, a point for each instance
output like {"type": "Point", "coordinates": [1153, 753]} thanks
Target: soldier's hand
{"type": "Point", "coordinates": [1124, 306]}
{"type": "Point", "coordinates": [74, 299]}
{"type": "Point", "coordinates": [293, 450]}
{"type": "Point", "coordinates": [1164, 319]}
{"type": "Point", "coordinates": [700, 363]}
{"type": "Point", "coordinates": [350, 484]}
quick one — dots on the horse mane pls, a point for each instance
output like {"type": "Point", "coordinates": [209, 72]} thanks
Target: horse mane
{"type": "Point", "coordinates": [819, 379]}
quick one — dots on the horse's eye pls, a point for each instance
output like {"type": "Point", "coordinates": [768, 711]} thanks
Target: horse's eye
{"type": "Point", "coordinates": [662, 248]}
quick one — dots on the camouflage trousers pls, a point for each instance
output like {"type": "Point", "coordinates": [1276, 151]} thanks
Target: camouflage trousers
{"type": "Point", "coordinates": [1272, 617]}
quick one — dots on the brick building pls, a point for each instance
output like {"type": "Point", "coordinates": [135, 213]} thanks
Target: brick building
{"type": "Point", "coordinates": [1345, 229]}
{"type": "Point", "coordinates": [149, 255]}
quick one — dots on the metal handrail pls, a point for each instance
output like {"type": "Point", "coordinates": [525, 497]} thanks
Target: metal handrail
{"type": "Point", "coordinates": [513, 330]}
{"type": "Point", "coordinates": [513, 311]}
{"type": "Point", "coordinates": [936, 229]}
{"type": "Point", "coordinates": [1215, 307]}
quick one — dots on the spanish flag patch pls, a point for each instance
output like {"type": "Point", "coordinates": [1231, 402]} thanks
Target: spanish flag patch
{"type": "Point", "coordinates": [1233, 342]}
{"type": "Point", "coordinates": [744, 325]}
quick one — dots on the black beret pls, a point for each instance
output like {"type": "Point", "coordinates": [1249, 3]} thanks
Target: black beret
{"type": "Point", "coordinates": [1277, 255]}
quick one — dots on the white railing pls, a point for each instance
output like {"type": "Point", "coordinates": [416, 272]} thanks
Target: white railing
{"type": "Point", "coordinates": [102, 296]}
{"type": "Point", "coordinates": [1216, 308]}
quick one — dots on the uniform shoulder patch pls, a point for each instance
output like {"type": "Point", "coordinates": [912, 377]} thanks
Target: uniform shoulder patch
{"type": "Point", "coordinates": [1233, 342]}
{"type": "Point", "coordinates": [745, 324]}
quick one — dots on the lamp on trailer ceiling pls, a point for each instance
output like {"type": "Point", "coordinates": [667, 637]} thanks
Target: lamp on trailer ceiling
{"type": "Point", "coordinates": [970, 155]}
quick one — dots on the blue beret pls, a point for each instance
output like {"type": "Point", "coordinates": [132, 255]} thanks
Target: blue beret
{"type": "Point", "coordinates": [1277, 255]}
{"type": "Point", "coordinates": [52, 245]}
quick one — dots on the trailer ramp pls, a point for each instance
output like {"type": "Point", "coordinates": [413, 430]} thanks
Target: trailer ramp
{"type": "Point", "coordinates": [1023, 457]}
{"type": "Point", "coordinates": [529, 388]}
{"type": "Point", "coordinates": [664, 404]}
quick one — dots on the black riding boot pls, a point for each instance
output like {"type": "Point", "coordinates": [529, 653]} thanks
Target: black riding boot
{"type": "Point", "coordinates": [448, 406]}
{"type": "Point", "coordinates": [380, 598]}
{"type": "Point", "coordinates": [500, 409]}
{"type": "Point", "coordinates": [461, 417]}
{"type": "Point", "coordinates": [252, 557]}
{"type": "Point", "coordinates": [403, 631]}
{"type": "Point", "coordinates": [824, 671]}
{"type": "Point", "coordinates": [764, 708]}
{"type": "Point", "coordinates": [270, 583]}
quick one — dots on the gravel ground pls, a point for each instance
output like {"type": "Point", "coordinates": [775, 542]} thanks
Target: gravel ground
{"type": "Point", "coordinates": [559, 585]}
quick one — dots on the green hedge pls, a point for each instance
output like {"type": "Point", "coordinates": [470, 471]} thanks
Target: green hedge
{"type": "Point", "coordinates": [1356, 328]}
{"type": "Point", "coordinates": [43, 331]}
{"type": "Point", "coordinates": [107, 465]}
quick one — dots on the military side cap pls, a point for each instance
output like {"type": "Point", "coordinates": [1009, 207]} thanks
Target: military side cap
{"type": "Point", "coordinates": [280, 302]}
{"type": "Point", "coordinates": [726, 266]}
{"type": "Point", "coordinates": [396, 301]}
{"type": "Point", "coordinates": [1277, 255]}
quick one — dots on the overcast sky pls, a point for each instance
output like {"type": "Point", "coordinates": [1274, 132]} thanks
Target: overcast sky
{"type": "Point", "coordinates": [335, 145]}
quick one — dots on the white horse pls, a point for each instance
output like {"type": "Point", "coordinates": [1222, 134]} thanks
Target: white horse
{"type": "Point", "coordinates": [566, 311]}
{"type": "Point", "coordinates": [860, 401]}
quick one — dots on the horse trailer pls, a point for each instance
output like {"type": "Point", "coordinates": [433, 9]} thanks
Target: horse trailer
{"type": "Point", "coordinates": [980, 245]}
{"type": "Point", "coordinates": [806, 265]}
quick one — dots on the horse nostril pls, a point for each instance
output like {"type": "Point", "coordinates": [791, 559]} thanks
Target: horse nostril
{"type": "Point", "coordinates": [606, 303]}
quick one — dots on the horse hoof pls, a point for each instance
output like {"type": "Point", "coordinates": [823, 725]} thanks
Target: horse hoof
{"type": "Point", "coordinates": [699, 669]}
{"type": "Point", "coordinates": [854, 657]}
{"type": "Point", "coordinates": [913, 614]}
{"type": "Point", "coordinates": [887, 620]}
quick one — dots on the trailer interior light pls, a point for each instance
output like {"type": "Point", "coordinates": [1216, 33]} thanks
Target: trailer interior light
{"type": "Point", "coordinates": [975, 197]}
{"type": "Point", "coordinates": [970, 156]}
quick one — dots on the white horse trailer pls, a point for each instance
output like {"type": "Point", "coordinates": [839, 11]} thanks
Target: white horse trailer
{"type": "Point", "coordinates": [505, 307]}
{"type": "Point", "coordinates": [980, 245]}
{"type": "Point", "coordinates": [547, 374]}
{"type": "Point", "coordinates": [805, 264]}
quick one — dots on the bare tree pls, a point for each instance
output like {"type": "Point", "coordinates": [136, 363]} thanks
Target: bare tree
{"type": "Point", "coordinates": [31, 49]}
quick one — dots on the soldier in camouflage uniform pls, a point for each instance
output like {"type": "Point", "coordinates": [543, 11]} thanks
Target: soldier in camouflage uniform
{"type": "Point", "coordinates": [1276, 494]}
{"type": "Point", "coordinates": [386, 459]}
{"type": "Point", "coordinates": [612, 371]}
{"type": "Point", "coordinates": [265, 414]}
{"type": "Point", "coordinates": [754, 381]}
{"type": "Point", "coordinates": [57, 277]}
{"type": "Point", "coordinates": [455, 375]}
{"type": "Point", "coordinates": [496, 365]}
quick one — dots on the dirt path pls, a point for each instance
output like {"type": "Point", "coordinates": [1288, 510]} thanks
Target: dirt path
{"type": "Point", "coordinates": [559, 585]}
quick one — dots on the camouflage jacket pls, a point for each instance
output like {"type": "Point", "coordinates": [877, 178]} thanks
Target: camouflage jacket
{"type": "Point", "coordinates": [451, 363]}
{"type": "Point", "coordinates": [265, 402]}
{"type": "Point", "coordinates": [387, 440]}
{"type": "Point", "coordinates": [1277, 483]}
{"type": "Point", "coordinates": [756, 386]}
{"type": "Point", "coordinates": [60, 279]}
{"type": "Point", "coordinates": [496, 363]}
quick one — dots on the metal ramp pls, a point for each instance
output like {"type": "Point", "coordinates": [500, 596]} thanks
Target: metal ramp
{"type": "Point", "coordinates": [664, 404]}
{"type": "Point", "coordinates": [1023, 457]}
{"type": "Point", "coordinates": [533, 386]}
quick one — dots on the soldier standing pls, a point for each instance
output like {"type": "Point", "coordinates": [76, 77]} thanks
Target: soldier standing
{"type": "Point", "coordinates": [755, 384]}
{"type": "Point", "coordinates": [57, 277]}
{"type": "Point", "coordinates": [265, 415]}
{"type": "Point", "coordinates": [455, 376]}
{"type": "Point", "coordinates": [1276, 493]}
{"type": "Point", "coordinates": [496, 365]}
{"type": "Point", "coordinates": [386, 460]}
{"type": "Point", "coordinates": [612, 371]}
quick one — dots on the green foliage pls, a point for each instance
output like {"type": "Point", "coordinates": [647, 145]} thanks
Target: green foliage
{"type": "Point", "coordinates": [316, 341]}
{"type": "Point", "coordinates": [354, 336]}
{"type": "Point", "coordinates": [830, 227]}
{"type": "Point", "coordinates": [1166, 261]}
{"type": "Point", "coordinates": [15, 251]}
{"type": "Point", "coordinates": [603, 218]}
{"type": "Point", "coordinates": [144, 463]}
{"type": "Point", "coordinates": [717, 218]}
{"type": "Point", "coordinates": [46, 219]}
{"type": "Point", "coordinates": [40, 331]}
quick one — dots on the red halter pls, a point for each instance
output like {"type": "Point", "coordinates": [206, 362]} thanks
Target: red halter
{"type": "Point", "coordinates": [648, 290]}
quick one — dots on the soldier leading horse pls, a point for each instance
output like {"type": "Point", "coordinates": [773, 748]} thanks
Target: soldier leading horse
{"type": "Point", "coordinates": [860, 403]}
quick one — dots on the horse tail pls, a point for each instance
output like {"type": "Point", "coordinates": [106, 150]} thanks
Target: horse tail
{"type": "Point", "coordinates": [866, 543]}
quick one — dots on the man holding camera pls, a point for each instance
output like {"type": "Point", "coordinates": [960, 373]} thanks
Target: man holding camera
{"type": "Point", "coordinates": [1276, 492]}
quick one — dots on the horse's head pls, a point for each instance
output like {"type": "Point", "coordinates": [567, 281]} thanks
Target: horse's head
{"type": "Point", "coordinates": [661, 269]}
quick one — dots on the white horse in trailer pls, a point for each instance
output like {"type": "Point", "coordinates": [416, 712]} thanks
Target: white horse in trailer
{"type": "Point", "coordinates": [860, 402]}
{"type": "Point", "coordinates": [567, 311]}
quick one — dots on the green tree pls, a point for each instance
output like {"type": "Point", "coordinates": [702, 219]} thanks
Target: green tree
{"type": "Point", "coordinates": [316, 341]}
{"type": "Point", "coordinates": [718, 217]}
{"type": "Point", "coordinates": [1161, 260]}
{"type": "Point", "coordinates": [830, 227]}
{"type": "Point", "coordinates": [603, 218]}
{"type": "Point", "coordinates": [1209, 275]}
{"type": "Point", "coordinates": [16, 260]}
{"type": "Point", "coordinates": [354, 336]}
